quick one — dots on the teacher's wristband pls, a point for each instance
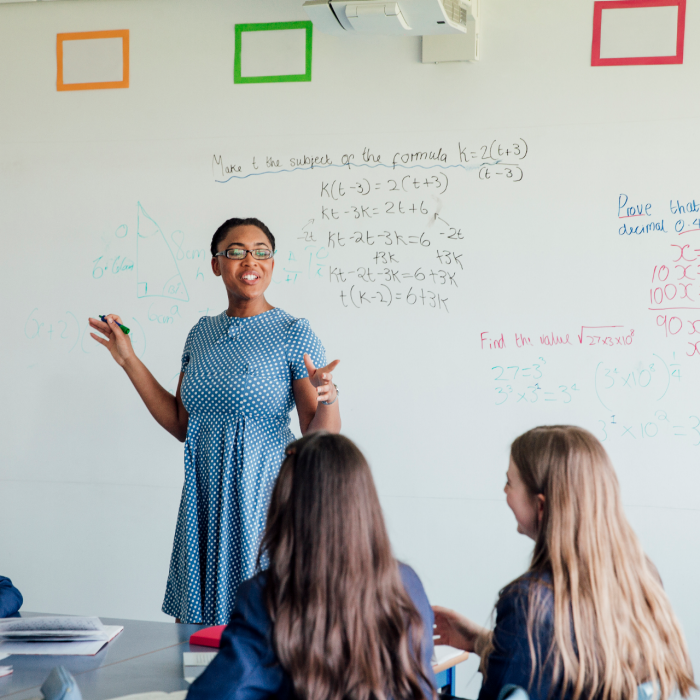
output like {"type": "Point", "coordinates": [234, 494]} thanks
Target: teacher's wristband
{"type": "Point", "coordinates": [330, 403]}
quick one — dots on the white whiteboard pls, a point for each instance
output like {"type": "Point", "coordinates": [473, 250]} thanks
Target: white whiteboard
{"type": "Point", "coordinates": [120, 219]}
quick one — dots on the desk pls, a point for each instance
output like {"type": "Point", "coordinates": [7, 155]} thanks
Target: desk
{"type": "Point", "coordinates": [146, 656]}
{"type": "Point", "coordinates": [446, 673]}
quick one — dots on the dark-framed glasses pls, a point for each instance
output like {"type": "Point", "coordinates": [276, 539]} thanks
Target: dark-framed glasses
{"type": "Point", "coordinates": [241, 253]}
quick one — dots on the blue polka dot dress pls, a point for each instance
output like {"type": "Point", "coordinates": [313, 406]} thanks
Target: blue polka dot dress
{"type": "Point", "coordinates": [237, 389]}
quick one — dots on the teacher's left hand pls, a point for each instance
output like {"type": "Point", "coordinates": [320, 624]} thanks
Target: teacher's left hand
{"type": "Point", "coordinates": [322, 378]}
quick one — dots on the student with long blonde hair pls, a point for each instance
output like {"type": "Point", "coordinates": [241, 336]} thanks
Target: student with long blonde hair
{"type": "Point", "coordinates": [334, 616]}
{"type": "Point", "coordinates": [589, 619]}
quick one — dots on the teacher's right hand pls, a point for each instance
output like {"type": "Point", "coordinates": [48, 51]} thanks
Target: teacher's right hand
{"type": "Point", "coordinates": [117, 342]}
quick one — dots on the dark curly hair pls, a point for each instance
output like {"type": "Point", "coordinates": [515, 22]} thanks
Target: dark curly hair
{"type": "Point", "coordinates": [233, 223]}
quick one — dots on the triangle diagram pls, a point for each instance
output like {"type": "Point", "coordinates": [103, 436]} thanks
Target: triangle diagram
{"type": "Point", "coordinates": [157, 271]}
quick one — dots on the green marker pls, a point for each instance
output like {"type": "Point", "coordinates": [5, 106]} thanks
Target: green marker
{"type": "Point", "coordinates": [125, 330]}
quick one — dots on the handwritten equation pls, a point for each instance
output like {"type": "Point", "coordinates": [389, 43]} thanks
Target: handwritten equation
{"type": "Point", "coordinates": [651, 381]}
{"type": "Point", "coordinates": [66, 332]}
{"type": "Point", "coordinates": [679, 427]}
{"type": "Point", "coordinates": [337, 189]}
{"type": "Point", "coordinates": [641, 401]}
{"type": "Point", "coordinates": [603, 336]}
{"type": "Point", "coordinates": [381, 233]}
{"type": "Point", "coordinates": [395, 261]}
{"type": "Point", "coordinates": [494, 156]}
{"type": "Point", "coordinates": [673, 294]}
{"type": "Point", "coordinates": [530, 384]}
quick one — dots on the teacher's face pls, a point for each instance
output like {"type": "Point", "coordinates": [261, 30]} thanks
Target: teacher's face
{"type": "Point", "coordinates": [245, 279]}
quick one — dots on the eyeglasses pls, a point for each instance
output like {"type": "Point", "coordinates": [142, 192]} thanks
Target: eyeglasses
{"type": "Point", "coordinates": [242, 253]}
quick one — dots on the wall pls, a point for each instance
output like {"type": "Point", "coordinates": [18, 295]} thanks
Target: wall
{"type": "Point", "coordinates": [90, 486]}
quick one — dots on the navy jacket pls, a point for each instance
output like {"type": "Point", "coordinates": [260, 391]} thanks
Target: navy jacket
{"type": "Point", "coordinates": [10, 598]}
{"type": "Point", "coordinates": [510, 661]}
{"type": "Point", "coordinates": [246, 668]}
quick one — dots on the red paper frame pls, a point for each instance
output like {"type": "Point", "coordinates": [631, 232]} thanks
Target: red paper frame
{"type": "Point", "coordinates": [601, 5]}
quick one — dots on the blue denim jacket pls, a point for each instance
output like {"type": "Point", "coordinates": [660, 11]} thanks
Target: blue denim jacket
{"type": "Point", "coordinates": [247, 668]}
{"type": "Point", "coordinates": [10, 598]}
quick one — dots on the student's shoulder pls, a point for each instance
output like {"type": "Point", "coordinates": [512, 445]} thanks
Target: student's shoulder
{"type": "Point", "coordinates": [532, 588]}
{"type": "Point", "coordinates": [6, 583]}
{"type": "Point", "coordinates": [408, 575]}
{"type": "Point", "coordinates": [10, 598]}
{"type": "Point", "coordinates": [411, 582]}
{"type": "Point", "coordinates": [529, 582]}
{"type": "Point", "coordinates": [250, 611]}
{"type": "Point", "coordinates": [251, 593]}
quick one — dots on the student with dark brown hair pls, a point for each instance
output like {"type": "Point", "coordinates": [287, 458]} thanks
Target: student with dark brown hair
{"type": "Point", "coordinates": [334, 616]}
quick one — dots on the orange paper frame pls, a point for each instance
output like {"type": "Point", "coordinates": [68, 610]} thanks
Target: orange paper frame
{"type": "Point", "coordinates": [77, 36]}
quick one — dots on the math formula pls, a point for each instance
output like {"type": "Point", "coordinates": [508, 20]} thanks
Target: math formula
{"type": "Point", "coordinates": [673, 292]}
{"type": "Point", "coordinates": [375, 228]}
{"type": "Point", "coordinates": [68, 332]}
{"type": "Point", "coordinates": [383, 228]}
{"type": "Point", "coordinates": [661, 424]}
{"type": "Point", "coordinates": [530, 383]}
{"type": "Point", "coordinates": [376, 250]}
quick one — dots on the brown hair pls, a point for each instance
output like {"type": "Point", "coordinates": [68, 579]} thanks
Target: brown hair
{"type": "Point", "coordinates": [343, 624]}
{"type": "Point", "coordinates": [613, 623]}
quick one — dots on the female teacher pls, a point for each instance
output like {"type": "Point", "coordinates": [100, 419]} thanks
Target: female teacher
{"type": "Point", "coordinates": [242, 373]}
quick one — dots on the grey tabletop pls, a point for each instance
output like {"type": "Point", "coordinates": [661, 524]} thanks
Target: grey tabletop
{"type": "Point", "coordinates": [146, 656]}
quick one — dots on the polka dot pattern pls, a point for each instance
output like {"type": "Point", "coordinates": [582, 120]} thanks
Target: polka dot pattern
{"type": "Point", "coordinates": [237, 390]}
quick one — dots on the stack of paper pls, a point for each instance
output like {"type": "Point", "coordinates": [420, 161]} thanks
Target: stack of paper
{"type": "Point", "coordinates": [5, 670]}
{"type": "Point", "coordinates": [443, 653]}
{"type": "Point", "coordinates": [155, 695]}
{"type": "Point", "coordinates": [194, 663]}
{"type": "Point", "coordinates": [52, 629]}
{"type": "Point", "coordinates": [69, 636]}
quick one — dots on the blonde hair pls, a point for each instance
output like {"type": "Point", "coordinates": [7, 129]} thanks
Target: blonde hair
{"type": "Point", "coordinates": [613, 623]}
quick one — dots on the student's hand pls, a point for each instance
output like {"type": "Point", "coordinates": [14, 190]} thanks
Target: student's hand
{"type": "Point", "coordinates": [457, 631]}
{"type": "Point", "coordinates": [117, 342]}
{"type": "Point", "coordinates": [322, 378]}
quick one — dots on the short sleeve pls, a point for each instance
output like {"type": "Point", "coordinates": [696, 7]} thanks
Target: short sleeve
{"type": "Point", "coordinates": [187, 350]}
{"type": "Point", "coordinates": [302, 339]}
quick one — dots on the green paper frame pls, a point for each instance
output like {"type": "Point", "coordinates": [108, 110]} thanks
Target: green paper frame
{"type": "Point", "coordinates": [271, 26]}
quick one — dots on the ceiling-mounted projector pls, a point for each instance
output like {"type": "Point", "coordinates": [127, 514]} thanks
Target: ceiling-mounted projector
{"type": "Point", "coordinates": [406, 17]}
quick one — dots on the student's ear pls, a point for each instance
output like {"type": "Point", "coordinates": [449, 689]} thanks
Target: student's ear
{"type": "Point", "coordinates": [539, 502]}
{"type": "Point", "coordinates": [215, 266]}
